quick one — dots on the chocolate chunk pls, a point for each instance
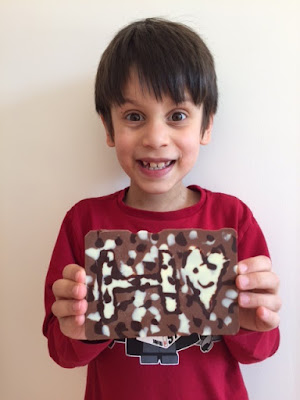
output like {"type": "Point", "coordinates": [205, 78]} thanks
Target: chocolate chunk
{"type": "Point", "coordinates": [211, 266]}
{"type": "Point", "coordinates": [120, 329]}
{"type": "Point", "coordinates": [232, 307]}
{"type": "Point", "coordinates": [172, 328]}
{"type": "Point", "coordinates": [141, 248]}
{"type": "Point", "coordinates": [149, 265]}
{"type": "Point", "coordinates": [90, 296]}
{"type": "Point", "coordinates": [148, 304]}
{"type": "Point", "coordinates": [136, 326]}
{"type": "Point", "coordinates": [98, 328]}
{"type": "Point", "coordinates": [171, 280]}
{"type": "Point", "coordinates": [118, 241]}
{"type": "Point", "coordinates": [197, 321]}
{"type": "Point", "coordinates": [133, 238]}
{"type": "Point", "coordinates": [106, 297]}
{"type": "Point", "coordinates": [99, 243]}
{"type": "Point", "coordinates": [108, 280]}
{"type": "Point", "coordinates": [218, 249]}
{"type": "Point", "coordinates": [220, 323]}
{"type": "Point", "coordinates": [180, 239]}
{"type": "Point", "coordinates": [155, 236]}
{"type": "Point", "coordinates": [124, 304]}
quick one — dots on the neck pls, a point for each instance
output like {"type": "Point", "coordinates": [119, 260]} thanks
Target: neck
{"type": "Point", "coordinates": [170, 201]}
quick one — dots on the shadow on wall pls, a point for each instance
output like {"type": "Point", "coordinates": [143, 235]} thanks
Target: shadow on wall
{"type": "Point", "coordinates": [54, 145]}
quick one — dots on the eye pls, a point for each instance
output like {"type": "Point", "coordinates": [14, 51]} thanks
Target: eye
{"type": "Point", "coordinates": [134, 117]}
{"type": "Point", "coordinates": [177, 116]}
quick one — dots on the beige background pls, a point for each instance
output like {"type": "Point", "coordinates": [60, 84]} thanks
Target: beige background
{"type": "Point", "coordinates": [53, 154]}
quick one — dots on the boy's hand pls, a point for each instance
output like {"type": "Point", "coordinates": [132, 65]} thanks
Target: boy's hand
{"type": "Point", "coordinates": [70, 304]}
{"type": "Point", "coordinates": [258, 298]}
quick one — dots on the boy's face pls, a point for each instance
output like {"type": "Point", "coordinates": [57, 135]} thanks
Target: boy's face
{"type": "Point", "coordinates": [157, 142]}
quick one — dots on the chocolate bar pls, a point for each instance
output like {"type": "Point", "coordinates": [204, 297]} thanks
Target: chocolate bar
{"type": "Point", "coordinates": [175, 282]}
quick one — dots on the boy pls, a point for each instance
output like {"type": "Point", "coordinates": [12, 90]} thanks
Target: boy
{"type": "Point", "coordinates": [156, 93]}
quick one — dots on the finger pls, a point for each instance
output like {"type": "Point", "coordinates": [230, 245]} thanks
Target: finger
{"type": "Point", "coordinates": [74, 272]}
{"type": "Point", "coordinates": [73, 327]}
{"type": "Point", "coordinates": [66, 308]}
{"type": "Point", "coordinates": [67, 289]}
{"type": "Point", "coordinates": [254, 264]}
{"type": "Point", "coordinates": [255, 300]}
{"type": "Point", "coordinates": [266, 319]}
{"type": "Point", "coordinates": [267, 281]}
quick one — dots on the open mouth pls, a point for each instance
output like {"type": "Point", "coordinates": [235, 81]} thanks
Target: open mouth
{"type": "Point", "coordinates": [153, 166]}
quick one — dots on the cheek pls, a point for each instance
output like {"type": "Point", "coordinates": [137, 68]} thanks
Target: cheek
{"type": "Point", "coordinates": [121, 152]}
{"type": "Point", "coordinates": [190, 148]}
{"type": "Point", "coordinates": [124, 151]}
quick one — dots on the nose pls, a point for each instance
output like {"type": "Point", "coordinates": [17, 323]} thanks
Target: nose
{"type": "Point", "coordinates": [155, 134]}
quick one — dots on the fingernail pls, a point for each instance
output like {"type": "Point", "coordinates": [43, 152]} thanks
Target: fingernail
{"type": "Point", "coordinates": [75, 290]}
{"type": "Point", "coordinates": [244, 299]}
{"type": "Point", "coordinates": [76, 305]}
{"type": "Point", "coordinates": [243, 268]}
{"type": "Point", "coordinates": [78, 276]}
{"type": "Point", "coordinates": [80, 319]}
{"type": "Point", "coordinates": [244, 281]}
{"type": "Point", "coordinates": [265, 314]}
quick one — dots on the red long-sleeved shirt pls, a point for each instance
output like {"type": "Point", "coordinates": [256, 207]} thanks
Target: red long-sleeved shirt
{"type": "Point", "coordinates": [205, 368]}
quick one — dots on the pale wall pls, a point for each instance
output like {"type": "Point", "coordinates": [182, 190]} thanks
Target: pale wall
{"type": "Point", "coordinates": [53, 154]}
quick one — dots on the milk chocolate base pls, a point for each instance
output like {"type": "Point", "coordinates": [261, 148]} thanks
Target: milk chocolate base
{"type": "Point", "coordinates": [175, 282]}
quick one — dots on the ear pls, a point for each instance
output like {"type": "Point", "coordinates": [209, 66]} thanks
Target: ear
{"type": "Point", "coordinates": [109, 138]}
{"type": "Point", "coordinates": [206, 136]}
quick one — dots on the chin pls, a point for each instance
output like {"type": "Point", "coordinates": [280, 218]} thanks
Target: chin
{"type": "Point", "coordinates": [159, 189]}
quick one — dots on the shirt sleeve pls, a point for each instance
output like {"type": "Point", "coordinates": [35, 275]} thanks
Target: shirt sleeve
{"type": "Point", "coordinates": [66, 352]}
{"type": "Point", "coordinates": [248, 346]}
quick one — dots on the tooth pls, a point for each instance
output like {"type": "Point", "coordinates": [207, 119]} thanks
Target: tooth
{"type": "Point", "coordinates": [155, 166]}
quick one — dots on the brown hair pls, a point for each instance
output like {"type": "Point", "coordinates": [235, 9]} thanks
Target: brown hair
{"type": "Point", "coordinates": [169, 58]}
